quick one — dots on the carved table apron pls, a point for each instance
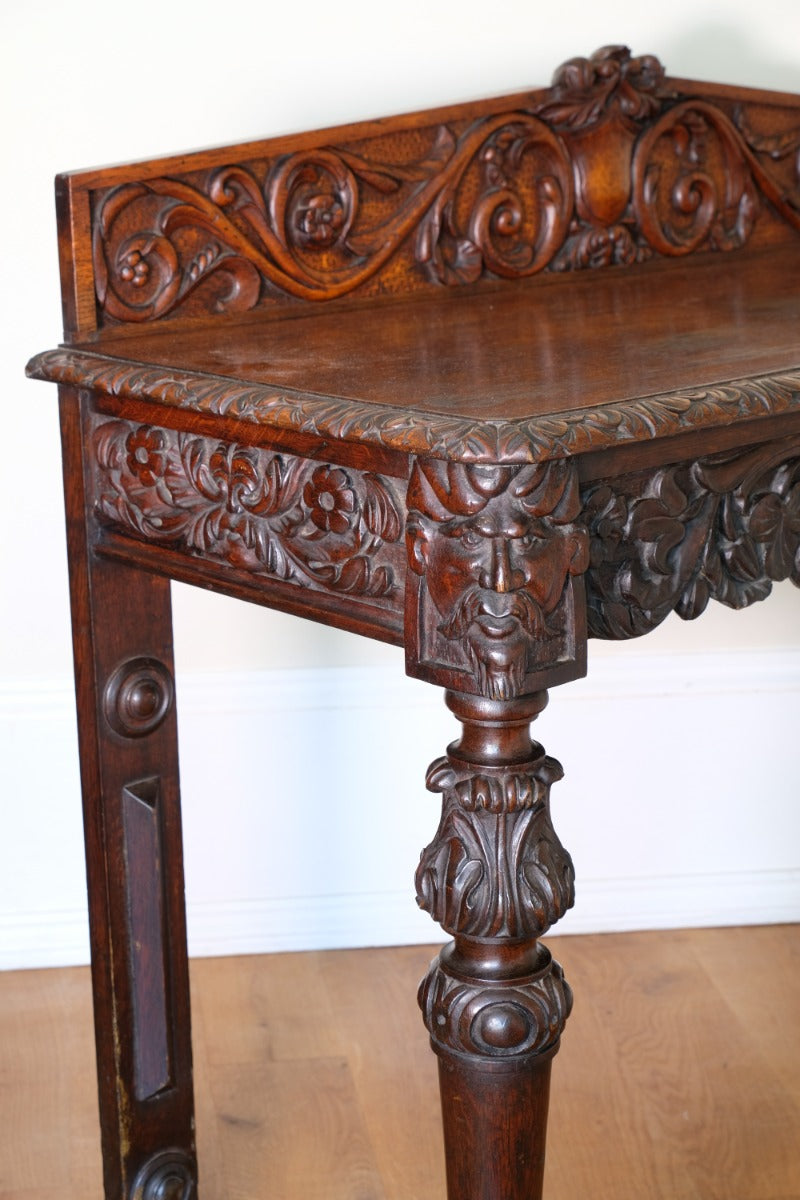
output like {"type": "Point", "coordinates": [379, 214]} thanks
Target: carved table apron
{"type": "Point", "coordinates": [482, 382]}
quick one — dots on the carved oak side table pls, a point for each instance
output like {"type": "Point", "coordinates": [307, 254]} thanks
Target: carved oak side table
{"type": "Point", "coordinates": [483, 381]}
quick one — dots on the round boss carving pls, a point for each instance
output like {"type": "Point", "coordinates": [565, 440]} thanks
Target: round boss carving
{"type": "Point", "coordinates": [169, 1175]}
{"type": "Point", "coordinates": [502, 1027]}
{"type": "Point", "coordinates": [138, 697]}
{"type": "Point", "coordinates": [495, 1019]}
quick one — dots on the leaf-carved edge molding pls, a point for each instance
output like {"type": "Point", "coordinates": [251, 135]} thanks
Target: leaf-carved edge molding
{"type": "Point", "coordinates": [531, 439]}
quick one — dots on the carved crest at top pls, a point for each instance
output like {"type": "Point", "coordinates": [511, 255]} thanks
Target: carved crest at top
{"type": "Point", "coordinates": [586, 89]}
{"type": "Point", "coordinates": [610, 166]}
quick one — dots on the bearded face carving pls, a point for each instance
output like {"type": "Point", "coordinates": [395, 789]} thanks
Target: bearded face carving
{"type": "Point", "coordinates": [495, 553]}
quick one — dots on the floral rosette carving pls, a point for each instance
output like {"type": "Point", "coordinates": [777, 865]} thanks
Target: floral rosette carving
{"type": "Point", "coordinates": [609, 167]}
{"type": "Point", "coordinates": [290, 518]}
{"type": "Point", "coordinates": [720, 528]}
{"type": "Point", "coordinates": [496, 867]}
{"type": "Point", "coordinates": [501, 1019]}
{"type": "Point", "coordinates": [300, 232]}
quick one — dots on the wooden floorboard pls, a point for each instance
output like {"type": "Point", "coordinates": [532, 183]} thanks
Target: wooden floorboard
{"type": "Point", "coordinates": [678, 1078]}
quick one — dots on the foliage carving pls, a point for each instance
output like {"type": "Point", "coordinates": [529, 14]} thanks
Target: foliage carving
{"type": "Point", "coordinates": [290, 518]}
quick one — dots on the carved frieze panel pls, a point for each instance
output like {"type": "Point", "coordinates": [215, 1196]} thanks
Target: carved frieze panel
{"type": "Point", "coordinates": [610, 166]}
{"type": "Point", "coordinates": [494, 602]}
{"type": "Point", "coordinates": [723, 528]}
{"type": "Point", "coordinates": [291, 519]}
{"type": "Point", "coordinates": [496, 867]}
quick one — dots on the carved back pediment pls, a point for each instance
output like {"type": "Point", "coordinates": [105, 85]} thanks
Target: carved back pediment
{"type": "Point", "coordinates": [613, 164]}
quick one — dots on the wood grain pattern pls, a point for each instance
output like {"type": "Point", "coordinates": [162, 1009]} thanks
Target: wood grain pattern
{"type": "Point", "coordinates": [676, 1082]}
{"type": "Point", "coordinates": [588, 318]}
{"type": "Point", "coordinates": [615, 163]}
{"type": "Point", "coordinates": [535, 371]}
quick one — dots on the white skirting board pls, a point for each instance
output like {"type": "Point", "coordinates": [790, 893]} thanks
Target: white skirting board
{"type": "Point", "coordinates": [305, 807]}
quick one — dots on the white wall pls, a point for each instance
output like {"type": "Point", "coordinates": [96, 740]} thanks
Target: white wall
{"type": "Point", "coordinates": [91, 82]}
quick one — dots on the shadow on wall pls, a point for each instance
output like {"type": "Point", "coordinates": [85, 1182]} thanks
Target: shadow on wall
{"type": "Point", "coordinates": [725, 55]}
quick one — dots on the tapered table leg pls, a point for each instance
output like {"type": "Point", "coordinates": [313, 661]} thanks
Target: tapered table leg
{"type": "Point", "coordinates": [122, 635]}
{"type": "Point", "coordinates": [494, 1001]}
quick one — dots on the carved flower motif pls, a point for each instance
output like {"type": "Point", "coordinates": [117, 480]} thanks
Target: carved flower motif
{"type": "Point", "coordinates": [320, 219]}
{"type": "Point", "coordinates": [147, 456]}
{"type": "Point", "coordinates": [135, 269]}
{"type": "Point", "coordinates": [331, 500]}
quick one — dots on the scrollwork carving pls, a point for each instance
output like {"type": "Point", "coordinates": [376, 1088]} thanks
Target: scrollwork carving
{"type": "Point", "coordinates": [609, 167]}
{"type": "Point", "coordinates": [519, 217]}
{"type": "Point", "coordinates": [694, 182]}
{"type": "Point", "coordinates": [318, 525]}
{"type": "Point", "coordinates": [300, 233]}
{"type": "Point", "coordinates": [495, 867]}
{"type": "Point", "coordinates": [655, 172]}
{"type": "Point", "coordinates": [723, 527]}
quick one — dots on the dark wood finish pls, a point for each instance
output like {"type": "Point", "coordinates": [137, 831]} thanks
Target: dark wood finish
{"type": "Point", "coordinates": [315, 1100]}
{"type": "Point", "coordinates": [484, 382]}
{"type": "Point", "coordinates": [122, 637]}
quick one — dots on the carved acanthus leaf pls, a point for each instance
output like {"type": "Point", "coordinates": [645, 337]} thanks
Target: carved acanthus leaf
{"type": "Point", "coordinates": [584, 89]}
{"type": "Point", "coordinates": [723, 527]}
{"type": "Point", "coordinates": [469, 440]}
{"type": "Point", "coordinates": [495, 867]}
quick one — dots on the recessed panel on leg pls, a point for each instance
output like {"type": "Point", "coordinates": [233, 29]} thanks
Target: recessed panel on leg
{"type": "Point", "coordinates": [147, 937]}
{"type": "Point", "coordinates": [122, 634]}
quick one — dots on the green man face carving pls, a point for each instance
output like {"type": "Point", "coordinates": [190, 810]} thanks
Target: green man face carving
{"type": "Point", "coordinates": [495, 546]}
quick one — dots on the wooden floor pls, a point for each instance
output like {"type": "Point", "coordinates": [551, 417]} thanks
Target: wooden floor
{"type": "Point", "coordinates": [678, 1079]}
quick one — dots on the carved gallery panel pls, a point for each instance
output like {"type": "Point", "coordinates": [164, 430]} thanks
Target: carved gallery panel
{"type": "Point", "coordinates": [609, 166]}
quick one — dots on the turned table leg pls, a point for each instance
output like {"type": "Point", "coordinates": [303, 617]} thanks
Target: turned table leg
{"type": "Point", "coordinates": [122, 634]}
{"type": "Point", "coordinates": [494, 1001]}
{"type": "Point", "coordinates": [495, 611]}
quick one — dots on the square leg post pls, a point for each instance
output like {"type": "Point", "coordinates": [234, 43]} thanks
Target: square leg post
{"type": "Point", "coordinates": [122, 636]}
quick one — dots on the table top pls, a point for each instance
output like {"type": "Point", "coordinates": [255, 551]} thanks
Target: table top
{"type": "Point", "coordinates": [556, 364]}
{"type": "Point", "coordinates": [545, 347]}
{"type": "Point", "coordinates": [612, 260]}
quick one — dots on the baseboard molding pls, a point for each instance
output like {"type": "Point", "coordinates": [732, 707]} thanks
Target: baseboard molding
{"type": "Point", "coordinates": [742, 865]}
{"type": "Point", "coordinates": [265, 926]}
